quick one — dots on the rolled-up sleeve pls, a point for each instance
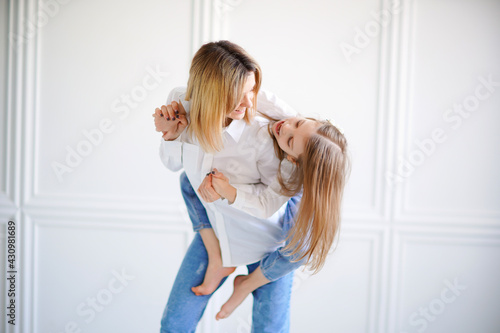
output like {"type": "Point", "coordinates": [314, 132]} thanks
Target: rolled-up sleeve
{"type": "Point", "coordinates": [171, 154]}
{"type": "Point", "coordinates": [262, 205]}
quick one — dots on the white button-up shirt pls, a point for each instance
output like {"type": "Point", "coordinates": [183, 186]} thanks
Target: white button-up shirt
{"type": "Point", "coordinates": [249, 161]}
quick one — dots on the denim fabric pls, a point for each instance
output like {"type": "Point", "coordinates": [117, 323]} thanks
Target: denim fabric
{"type": "Point", "coordinates": [271, 302]}
{"type": "Point", "coordinates": [280, 262]}
{"type": "Point", "coordinates": [196, 210]}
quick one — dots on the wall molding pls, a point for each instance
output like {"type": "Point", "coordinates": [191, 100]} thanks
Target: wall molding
{"type": "Point", "coordinates": [403, 213]}
{"type": "Point", "coordinates": [378, 240]}
{"type": "Point", "coordinates": [36, 224]}
{"type": "Point", "coordinates": [403, 236]}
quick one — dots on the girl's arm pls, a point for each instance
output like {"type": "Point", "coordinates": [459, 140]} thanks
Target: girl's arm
{"type": "Point", "coordinates": [261, 204]}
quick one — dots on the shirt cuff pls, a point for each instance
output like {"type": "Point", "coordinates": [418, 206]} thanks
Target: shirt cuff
{"type": "Point", "coordinates": [240, 199]}
{"type": "Point", "coordinates": [170, 147]}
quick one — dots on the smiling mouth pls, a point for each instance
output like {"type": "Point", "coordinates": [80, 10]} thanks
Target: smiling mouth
{"type": "Point", "coordinates": [278, 127]}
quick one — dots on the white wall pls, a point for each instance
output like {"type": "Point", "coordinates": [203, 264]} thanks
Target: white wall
{"type": "Point", "coordinates": [421, 209]}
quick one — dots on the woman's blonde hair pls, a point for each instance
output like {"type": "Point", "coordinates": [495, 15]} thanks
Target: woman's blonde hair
{"type": "Point", "coordinates": [217, 76]}
{"type": "Point", "coordinates": [321, 171]}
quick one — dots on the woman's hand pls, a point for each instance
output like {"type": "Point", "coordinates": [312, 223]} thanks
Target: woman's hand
{"type": "Point", "coordinates": [221, 185]}
{"type": "Point", "coordinates": [207, 191]}
{"type": "Point", "coordinates": [170, 120]}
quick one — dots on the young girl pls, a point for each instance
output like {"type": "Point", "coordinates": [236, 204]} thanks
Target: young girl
{"type": "Point", "coordinates": [318, 151]}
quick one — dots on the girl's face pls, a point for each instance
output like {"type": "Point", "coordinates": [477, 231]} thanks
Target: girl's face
{"type": "Point", "coordinates": [246, 101]}
{"type": "Point", "coordinates": [293, 133]}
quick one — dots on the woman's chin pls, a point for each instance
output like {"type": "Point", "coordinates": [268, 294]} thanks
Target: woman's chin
{"type": "Point", "coordinates": [237, 115]}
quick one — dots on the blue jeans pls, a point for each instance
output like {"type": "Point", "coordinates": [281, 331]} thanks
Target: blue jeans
{"type": "Point", "coordinates": [271, 302]}
{"type": "Point", "coordinates": [271, 306]}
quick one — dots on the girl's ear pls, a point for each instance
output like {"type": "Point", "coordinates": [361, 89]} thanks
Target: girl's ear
{"type": "Point", "coordinates": [291, 159]}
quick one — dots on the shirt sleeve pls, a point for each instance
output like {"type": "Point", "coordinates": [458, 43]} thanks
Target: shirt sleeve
{"type": "Point", "coordinates": [171, 154]}
{"type": "Point", "coordinates": [261, 205]}
{"type": "Point", "coordinates": [274, 107]}
{"type": "Point", "coordinates": [171, 151]}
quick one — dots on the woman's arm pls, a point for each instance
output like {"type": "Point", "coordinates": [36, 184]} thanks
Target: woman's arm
{"type": "Point", "coordinates": [274, 107]}
{"type": "Point", "coordinates": [171, 120]}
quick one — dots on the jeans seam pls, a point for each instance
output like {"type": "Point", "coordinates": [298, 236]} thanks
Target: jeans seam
{"type": "Point", "coordinates": [192, 197]}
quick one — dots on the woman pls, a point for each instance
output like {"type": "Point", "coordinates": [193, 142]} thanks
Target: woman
{"type": "Point", "coordinates": [218, 104]}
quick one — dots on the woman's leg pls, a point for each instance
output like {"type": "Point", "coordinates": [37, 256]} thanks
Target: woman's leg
{"type": "Point", "coordinates": [271, 305]}
{"type": "Point", "coordinates": [184, 309]}
{"type": "Point", "coordinates": [198, 215]}
{"type": "Point", "coordinates": [215, 271]}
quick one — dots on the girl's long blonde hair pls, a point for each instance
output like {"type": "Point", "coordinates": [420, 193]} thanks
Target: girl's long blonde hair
{"type": "Point", "coordinates": [321, 171]}
{"type": "Point", "coordinates": [217, 76]}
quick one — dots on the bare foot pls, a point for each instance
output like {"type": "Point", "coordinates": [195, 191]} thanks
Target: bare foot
{"type": "Point", "coordinates": [213, 277]}
{"type": "Point", "coordinates": [240, 292]}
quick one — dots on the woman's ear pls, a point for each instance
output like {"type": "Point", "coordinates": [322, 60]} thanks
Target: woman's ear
{"type": "Point", "coordinates": [291, 159]}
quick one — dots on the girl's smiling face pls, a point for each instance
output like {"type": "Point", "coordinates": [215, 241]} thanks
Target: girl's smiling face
{"type": "Point", "coordinates": [293, 133]}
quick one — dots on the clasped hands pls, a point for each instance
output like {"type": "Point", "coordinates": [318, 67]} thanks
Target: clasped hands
{"type": "Point", "coordinates": [170, 120]}
{"type": "Point", "coordinates": [216, 186]}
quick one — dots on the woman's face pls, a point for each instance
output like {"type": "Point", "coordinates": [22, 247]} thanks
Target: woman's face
{"type": "Point", "coordinates": [293, 133]}
{"type": "Point", "coordinates": [246, 101]}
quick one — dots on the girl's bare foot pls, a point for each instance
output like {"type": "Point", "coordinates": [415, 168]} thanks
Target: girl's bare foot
{"type": "Point", "coordinates": [240, 292]}
{"type": "Point", "coordinates": [213, 277]}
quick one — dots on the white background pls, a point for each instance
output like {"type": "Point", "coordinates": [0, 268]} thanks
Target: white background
{"type": "Point", "coordinates": [419, 215]}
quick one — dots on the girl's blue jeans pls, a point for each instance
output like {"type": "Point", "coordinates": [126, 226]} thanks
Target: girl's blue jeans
{"type": "Point", "coordinates": [271, 305]}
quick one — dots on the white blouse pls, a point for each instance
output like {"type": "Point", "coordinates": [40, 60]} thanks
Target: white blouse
{"type": "Point", "coordinates": [249, 161]}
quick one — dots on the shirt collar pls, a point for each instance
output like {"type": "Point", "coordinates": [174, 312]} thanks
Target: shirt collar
{"type": "Point", "coordinates": [235, 129]}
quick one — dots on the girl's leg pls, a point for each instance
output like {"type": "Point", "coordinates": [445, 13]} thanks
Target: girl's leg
{"type": "Point", "coordinates": [198, 215]}
{"type": "Point", "coordinates": [277, 266]}
{"type": "Point", "coordinates": [273, 267]}
{"type": "Point", "coordinates": [271, 300]}
{"type": "Point", "coordinates": [184, 309]}
{"type": "Point", "coordinates": [280, 262]}
{"type": "Point", "coordinates": [215, 271]}
{"type": "Point", "coordinates": [243, 286]}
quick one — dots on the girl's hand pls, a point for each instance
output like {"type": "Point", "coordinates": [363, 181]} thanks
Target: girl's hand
{"type": "Point", "coordinates": [206, 190]}
{"type": "Point", "coordinates": [170, 120]}
{"type": "Point", "coordinates": [221, 185]}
